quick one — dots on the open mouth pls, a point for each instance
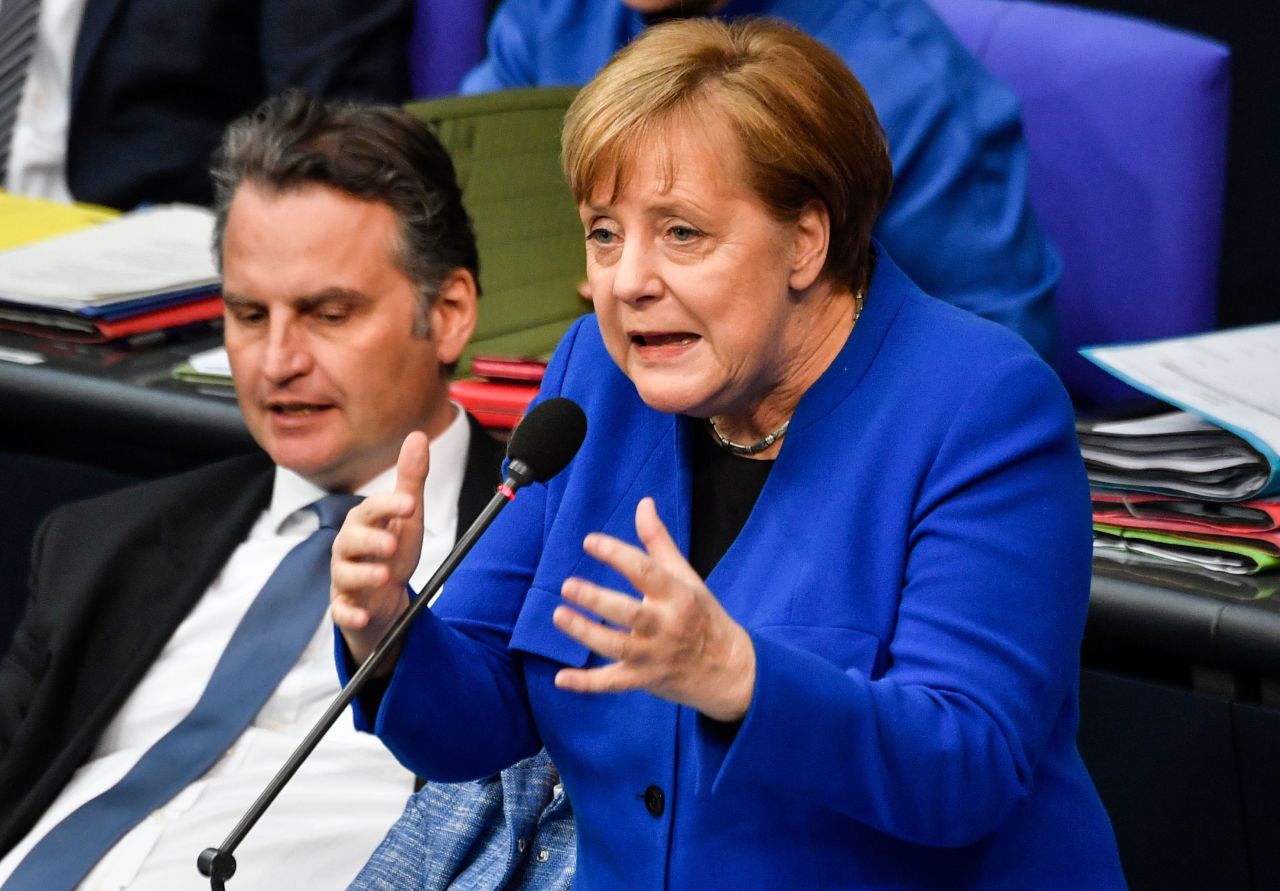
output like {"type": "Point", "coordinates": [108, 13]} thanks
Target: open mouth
{"type": "Point", "coordinates": [294, 410]}
{"type": "Point", "coordinates": [658, 340]}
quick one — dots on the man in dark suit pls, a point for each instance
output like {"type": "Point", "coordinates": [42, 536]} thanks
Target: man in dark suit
{"type": "Point", "coordinates": [138, 92]}
{"type": "Point", "coordinates": [349, 272]}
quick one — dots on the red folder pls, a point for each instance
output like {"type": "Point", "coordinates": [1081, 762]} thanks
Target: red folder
{"type": "Point", "coordinates": [1258, 519]}
{"type": "Point", "coordinates": [495, 404]}
{"type": "Point", "coordinates": [506, 368]}
{"type": "Point", "coordinates": [79, 329]}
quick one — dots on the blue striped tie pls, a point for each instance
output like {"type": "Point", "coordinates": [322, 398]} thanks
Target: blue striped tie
{"type": "Point", "coordinates": [265, 645]}
{"type": "Point", "coordinates": [18, 19]}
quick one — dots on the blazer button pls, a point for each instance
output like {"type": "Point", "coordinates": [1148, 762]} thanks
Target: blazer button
{"type": "Point", "coordinates": [654, 801]}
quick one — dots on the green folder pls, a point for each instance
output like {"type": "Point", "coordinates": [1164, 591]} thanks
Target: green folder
{"type": "Point", "coordinates": [1225, 554]}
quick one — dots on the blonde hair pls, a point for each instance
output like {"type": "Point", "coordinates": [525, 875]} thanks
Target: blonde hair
{"type": "Point", "coordinates": [805, 126]}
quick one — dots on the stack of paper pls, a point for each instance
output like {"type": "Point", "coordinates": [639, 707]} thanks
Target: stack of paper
{"type": "Point", "coordinates": [1243, 555]}
{"type": "Point", "coordinates": [143, 271]}
{"type": "Point", "coordinates": [1181, 496]}
{"type": "Point", "coordinates": [26, 220]}
{"type": "Point", "coordinates": [1176, 452]}
{"type": "Point", "coordinates": [208, 368]}
{"type": "Point", "coordinates": [1241, 538]}
{"type": "Point", "coordinates": [1224, 444]}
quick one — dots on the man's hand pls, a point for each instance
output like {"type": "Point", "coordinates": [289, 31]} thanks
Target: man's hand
{"type": "Point", "coordinates": [376, 552]}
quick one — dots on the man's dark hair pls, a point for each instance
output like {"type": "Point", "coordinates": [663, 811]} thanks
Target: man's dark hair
{"type": "Point", "coordinates": [378, 153]}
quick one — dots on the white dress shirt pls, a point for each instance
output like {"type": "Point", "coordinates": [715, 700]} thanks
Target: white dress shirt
{"type": "Point", "coordinates": [38, 151]}
{"type": "Point", "coordinates": [336, 809]}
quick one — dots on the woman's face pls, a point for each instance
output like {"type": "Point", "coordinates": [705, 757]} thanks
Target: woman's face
{"type": "Point", "coordinates": [694, 282]}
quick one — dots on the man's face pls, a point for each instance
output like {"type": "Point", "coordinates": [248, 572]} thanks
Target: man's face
{"type": "Point", "coordinates": [320, 321]}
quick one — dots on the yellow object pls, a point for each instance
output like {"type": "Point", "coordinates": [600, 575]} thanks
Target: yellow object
{"type": "Point", "coordinates": [24, 220]}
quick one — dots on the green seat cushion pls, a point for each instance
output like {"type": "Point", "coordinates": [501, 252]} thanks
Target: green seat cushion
{"type": "Point", "coordinates": [506, 148]}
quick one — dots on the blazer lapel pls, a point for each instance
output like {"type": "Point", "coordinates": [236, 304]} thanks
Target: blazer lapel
{"type": "Point", "coordinates": [169, 573]}
{"type": "Point", "coordinates": [199, 542]}
{"type": "Point", "coordinates": [481, 477]}
{"type": "Point", "coordinates": [98, 15]}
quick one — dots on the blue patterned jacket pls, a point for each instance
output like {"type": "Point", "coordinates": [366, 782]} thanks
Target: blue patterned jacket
{"type": "Point", "coordinates": [512, 831]}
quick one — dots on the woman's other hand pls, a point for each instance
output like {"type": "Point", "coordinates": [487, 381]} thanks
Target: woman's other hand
{"type": "Point", "coordinates": [677, 642]}
{"type": "Point", "coordinates": [376, 552]}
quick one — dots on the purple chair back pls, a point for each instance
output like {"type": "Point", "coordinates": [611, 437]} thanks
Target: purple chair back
{"type": "Point", "coordinates": [447, 41]}
{"type": "Point", "coordinates": [1126, 125]}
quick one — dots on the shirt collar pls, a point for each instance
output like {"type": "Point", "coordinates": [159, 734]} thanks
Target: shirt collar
{"type": "Point", "coordinates": [291, 492]}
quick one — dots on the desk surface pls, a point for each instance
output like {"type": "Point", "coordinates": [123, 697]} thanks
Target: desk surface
{"type": "Point", "coordinates": [81, 395]}
{"type": "Point", "coordinates": [1201, 627]}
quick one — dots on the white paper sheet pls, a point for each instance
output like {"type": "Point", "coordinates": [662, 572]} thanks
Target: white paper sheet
{"type": "Point", "coordinates": [152, 251]}
{"type": "Point", "coordinates": [1230, 377]}
{"type": "Point", "coordinates": [213, 362]}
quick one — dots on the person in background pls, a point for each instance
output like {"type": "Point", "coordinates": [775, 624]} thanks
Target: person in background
{"type": "Point", "coordinates": [959, 222]}
{"type": "Point", "coordinates": [122, 102]}
{"type": "Point", "coordinates": [350, 278]}
{"type": "Point", "coordinates": [805, 610]}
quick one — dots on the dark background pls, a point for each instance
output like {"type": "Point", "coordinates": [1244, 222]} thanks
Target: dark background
{"type": "Point", "coordinates": [1249, 281]}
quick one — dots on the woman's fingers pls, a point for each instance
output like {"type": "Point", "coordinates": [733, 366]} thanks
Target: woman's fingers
{"type": "Point", "coordinates": [359, 542]}
{"type": "Point", "coordinates": [658, 542]}
{"type": "Point", "coordinates": [376, 552]}
{"type": "Point", "coordinates": [615, 678]}
{"type": "Point", "coordinates": [367, 524]}
{"type": "Point", "coordinates": [620, 609]}
{"type": "Point", "coordinates": [652, 568]}
{"type": "Point", "coordinates": [350, 577]}
{"type": "Point", "coordinates": [601, 639]}
{"type": "Point", "coordinates": [675, 641]}
{"type": "Point", "coordinates": [348, 615]}
{"type": "Point", "coordinates": [413, 464]}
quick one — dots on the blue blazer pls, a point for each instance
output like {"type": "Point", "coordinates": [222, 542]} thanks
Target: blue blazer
{"type": "Point", "coordinates": [914, 577]}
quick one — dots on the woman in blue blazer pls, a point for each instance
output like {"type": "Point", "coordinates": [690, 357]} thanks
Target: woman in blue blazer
{"type": "Point", "coordinates": [805, 610]}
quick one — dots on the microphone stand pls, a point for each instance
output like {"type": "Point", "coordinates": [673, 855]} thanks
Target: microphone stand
{"type": "Point", "coordinates": [219, 864]}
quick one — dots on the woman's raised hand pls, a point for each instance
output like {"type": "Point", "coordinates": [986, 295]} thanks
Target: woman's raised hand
{"type": "Point", "coordinates": [676, 642]}
{"type": "Point", "coordinates": [376, 552]}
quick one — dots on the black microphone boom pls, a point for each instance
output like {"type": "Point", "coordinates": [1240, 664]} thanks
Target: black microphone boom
{"type": "Point", "coordinates": [543, 444]}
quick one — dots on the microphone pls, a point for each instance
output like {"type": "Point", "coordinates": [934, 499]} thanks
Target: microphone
{"type": "Point", "coordinates": [541, 446]}
{"type": "Point", "coordinates": [546, 441]}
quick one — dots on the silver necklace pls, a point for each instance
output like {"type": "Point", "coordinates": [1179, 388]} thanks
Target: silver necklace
{"type": "Point", "coordinates": [738, 448]}
{"type": "Point", "coordinates": [755, 448]}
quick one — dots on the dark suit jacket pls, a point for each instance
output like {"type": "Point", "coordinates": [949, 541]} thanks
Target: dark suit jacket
{"type": "Point", "coordinates": [155, 82]}
{"type": "Point", "coordinates": [113, 577]}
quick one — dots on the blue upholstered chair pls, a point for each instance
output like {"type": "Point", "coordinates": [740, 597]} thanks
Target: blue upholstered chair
{"type": "Point", "coordinates": [447, 40]}
{"type": "Point", "coordinates": [1126, 123]}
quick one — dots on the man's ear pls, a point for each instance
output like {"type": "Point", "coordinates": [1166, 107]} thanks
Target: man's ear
{"type": "Point", "coordinates": [811, 237]}
{"type": "Point", "coordinates": [453, 315]}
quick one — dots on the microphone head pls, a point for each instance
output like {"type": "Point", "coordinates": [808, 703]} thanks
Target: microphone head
{"type": "Point", "coordinates": [546, 440]}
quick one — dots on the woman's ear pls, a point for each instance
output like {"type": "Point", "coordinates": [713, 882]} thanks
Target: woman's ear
{"type": "Point", "coordinates": [811, 235]}
{"type": "Point", "coordinates": [453, 315]}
